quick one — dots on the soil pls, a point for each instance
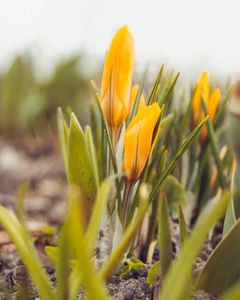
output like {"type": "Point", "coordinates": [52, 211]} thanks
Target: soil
{"type": "Point", "coordinates": [41, 164]}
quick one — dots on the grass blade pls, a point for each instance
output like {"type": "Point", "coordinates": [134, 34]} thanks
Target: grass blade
{"type": "Point", "coordinates": [176, 158]}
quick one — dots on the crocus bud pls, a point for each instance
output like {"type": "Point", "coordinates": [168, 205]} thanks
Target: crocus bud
{"type": "Point", "coordinates": [117, 80]}
{"type": "Point", "coordinates": [139, 141]}
{"type": "Point", "coordinates": [142, 103]}
{"type": "Point", "coordinates": [202, 91]}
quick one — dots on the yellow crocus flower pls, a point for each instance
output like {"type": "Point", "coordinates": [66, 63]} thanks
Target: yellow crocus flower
{"type": "Point", "coordinates": [142, 103]}
{"type": "Point", "coordinates": [202, 90]}
{"type": "Point", "coordinates": [138, 142]}
{"type": "Point", "coordinates": [117, 80]}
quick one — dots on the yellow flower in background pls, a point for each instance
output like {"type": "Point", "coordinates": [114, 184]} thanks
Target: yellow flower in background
{"type": "Point", "coordinates": [202, 90]}
{"type": "Point", "coordinates": [117, 80]}
{"type": "Point", "coordinates": [142, 103]}
{"type": "Point", "coordinates": [138, 141]}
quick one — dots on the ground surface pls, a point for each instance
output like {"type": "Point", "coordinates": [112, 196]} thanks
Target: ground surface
{"type": "Point", "coordinates": [40, 163]}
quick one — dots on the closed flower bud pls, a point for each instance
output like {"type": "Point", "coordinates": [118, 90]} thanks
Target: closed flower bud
{"type": "Point", "coordinates": [117, 80]}
{"type": "Point", "coordinates": [142, 103]}
{"type": "Point", "coordinates": [202, 91]}
{"type": "Point", "coordinates": [139, 141]}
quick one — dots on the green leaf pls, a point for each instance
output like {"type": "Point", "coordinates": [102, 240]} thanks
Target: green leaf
{"type": "Point", "coordinates": [153, 273]}
{"type": "Point", "coordinates": [164, 236]}
{"type": "Point", "coordinates": [28, 253]}
{"type": "Point", "coordinates": [138, 96]}
{"type": "Point", "coordinates": [168, 90]}
{"type": "Point", "coordinates": [80, 169]}
{"type": "Point", "coordinates": [152, 96]}
{"type": "Point", "coordinates": [232, 293]}
{"type": "Point", "coordinates": [233, 211]}
{"type": "Point", "coordinates": [176, 158]}
{"type": "Point", "coordinates": [52, 253]}
{"type": "Point", "coordinates": [112, 155]}
{"type": "Point", "coordinates": [182, 226]}
{"type": "Point", "coordinates": [215, 147]}
{"type": "Point", "coordinates": [175, 194]}
{"type": "Point", "coordinates": [97, 213]}
{"type": "Point", "coordinates": [135, 263]}
{"type": "Point", "coordinates": [178, 276]}
{"type": "Point", "coordinates": [164, 123]}
{"type": "Point", "coordinates": [84, 269]}
{"type": "Point", "coordinates": [126, 272]}
{"type": "Point", "coordinates": [62, 264]}
{"type": "Point", "coordinates": [236, 190]}
{"type": "Point", "coordinates": [92, 152]}
{"type": "Point", "coordinates": [91, 233]}
{"type": "Point", "coordinates": [129, 235]}
{"type": "Point", "coordinates": [226, 260]}
{"type": "Point", "coordinates": [63, 135]}
{"type": "Point", "coordinates": [48, 230]}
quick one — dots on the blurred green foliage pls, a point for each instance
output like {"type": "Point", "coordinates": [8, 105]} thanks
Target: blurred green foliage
{"type": "Point", "coordinates": [28, 104]}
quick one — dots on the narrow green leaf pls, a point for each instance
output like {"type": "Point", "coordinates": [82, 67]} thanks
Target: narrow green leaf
{"type": "Point", "coordinates": [84, 269]}
{"type": "Point", "coordinates": [175, 193]}
{"type": "Point", "coordinates": [112, 155]}
{"type": "Point", "coordinates": [63, 135]}
{"type": "Point", "coordinates": [178, 276]}
{"type": "Point", "coordinates": [152, 96]}
{"type": "Point", "coordinates": [226, 260]}
{"type": "Point", "coordinates": [168, 92]}
{"type": "Point", "coordinates": [184, 121]}
{"type": "Point", "coordinates": [62, 263]}
{"type": "Point", "coordinates": [176, 158]}
{"type": "Point", "coordinates": [137, 100]}
{"type": "Point", "coordinates": [98, 210]}
{"type": "Point", "coordinates": [182, 226]}
{"type": "Point", "coordinates": [215, 148]}
{"type": "Point", "coordinates": [28, 254]}
{"type": "Point", "coordinates": [233, 211]}
{"type": "Point", "coordinates": [129, 235]}
{"type": "Point", "coordinates": [92, 153]}
{"type": "Point", "coordinates": [154, 272]}
{"type": "Point", "coordinates": [164, 123]}
{"type": "Point", "coordinates": [164, 236]}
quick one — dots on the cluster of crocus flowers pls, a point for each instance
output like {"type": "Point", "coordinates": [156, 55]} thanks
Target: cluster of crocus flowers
{"type": "Point", "coordinates": [117, 101]}
{"type": "Point", "coordinates": [117, 80]}
{"type": "Point", "coordinates": [202, 92]}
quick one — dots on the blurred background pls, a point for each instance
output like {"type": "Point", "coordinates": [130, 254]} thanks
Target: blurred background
{"type": "Point", "coordinates": [51, 49]}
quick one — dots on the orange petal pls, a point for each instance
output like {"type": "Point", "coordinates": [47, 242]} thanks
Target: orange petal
{"type": "Point", "coordinates": [138, 141]}
{"type": "Point", "coordinates": [142, 103]}
{"type": "Point", "coordinates": [213, 103]}
{"type": "Point", "coordinates": [202, 90]}
{"type": "Point", "coordinates": [117, 78]}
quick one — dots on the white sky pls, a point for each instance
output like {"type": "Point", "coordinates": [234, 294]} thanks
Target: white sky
{"type": "Point", "coordinates": [189, 35]}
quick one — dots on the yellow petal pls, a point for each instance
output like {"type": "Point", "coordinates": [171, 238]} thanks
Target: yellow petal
{"type": "Point", "coordinates": [213, 103]}
{"type": "Point", "coordinates": [138, 140]}
{"type": "Point", "coordinates": [202, 89]}
{"type": "Point", "coordinates": [117, 78]}
{"type": "Point", "coordinates": [142, 103]}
